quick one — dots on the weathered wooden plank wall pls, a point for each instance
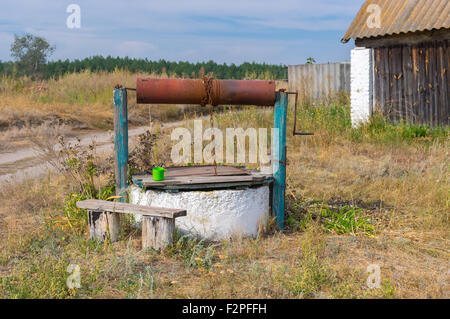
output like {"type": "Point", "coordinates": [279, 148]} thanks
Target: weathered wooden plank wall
{"type": "Point", "coordinates": [411, 82]}
{"type": "Point", "coordinates": [318, 82]}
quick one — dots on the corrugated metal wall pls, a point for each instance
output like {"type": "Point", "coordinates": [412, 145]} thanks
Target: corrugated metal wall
{"type": "Point", "coordinates": [411, 82]}
{"type": "Point", "coordinates": [317, 82]}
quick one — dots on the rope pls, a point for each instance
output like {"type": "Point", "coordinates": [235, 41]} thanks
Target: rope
{"type": "Point", "coordinates": [208, 82]}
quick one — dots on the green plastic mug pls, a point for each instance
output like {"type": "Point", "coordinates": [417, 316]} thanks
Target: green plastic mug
{"type": "Point", "coordinates": [158, 173]}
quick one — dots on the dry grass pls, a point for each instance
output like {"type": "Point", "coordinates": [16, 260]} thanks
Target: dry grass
{"type": "Point", "coordinates": [401, 183]}
{"type": "Point", "coordinates": [80, 100]}
{"type": "Point", "coordinates": [73, 104]}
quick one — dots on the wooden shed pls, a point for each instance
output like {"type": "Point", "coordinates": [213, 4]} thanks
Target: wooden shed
{"type": "Point", "coordinates": [409, 47]}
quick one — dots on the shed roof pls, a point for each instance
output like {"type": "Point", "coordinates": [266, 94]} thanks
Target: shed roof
{"type": "Point", "coordinates": [400, 16]}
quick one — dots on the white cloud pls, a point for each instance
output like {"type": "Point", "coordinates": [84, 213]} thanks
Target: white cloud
{"type": "Point", "coordinates": [231, 31]}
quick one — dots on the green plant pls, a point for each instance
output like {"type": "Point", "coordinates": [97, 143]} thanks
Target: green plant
{"type": "Point", "coordinates": [347, 220]}
{"type": "Point", "coordinates": [310, 60]}
{"type": "Point", "coordinates": [388, 289]}
{"type": "Point", "coordinates": [411, 131]}
{"type": "Point", "coordinates": [381, 129]}
{"type": "Point", "coordinates": [81, 166]}
{"type": "Point", "coordinates": [75, 218]}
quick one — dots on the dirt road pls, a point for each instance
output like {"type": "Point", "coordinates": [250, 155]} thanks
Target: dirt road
{"type": "Point", "coordinates": [28, 162]}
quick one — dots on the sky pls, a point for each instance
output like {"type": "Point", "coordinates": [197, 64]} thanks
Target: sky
{"type": "Point", "coordinates": [230, 31]}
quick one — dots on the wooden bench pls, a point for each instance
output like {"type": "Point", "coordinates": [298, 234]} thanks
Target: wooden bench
{"type": "Point", "coordinates": [158, 224]}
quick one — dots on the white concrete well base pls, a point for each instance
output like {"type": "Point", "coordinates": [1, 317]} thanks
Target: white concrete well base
{"type": "Point", "coordinates": [213, 215]}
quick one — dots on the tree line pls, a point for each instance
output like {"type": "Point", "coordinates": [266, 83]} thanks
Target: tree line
{"type": "Point", "coordinates": [174, 69]}
{"type": "Point", "coordinates": [31, 54]}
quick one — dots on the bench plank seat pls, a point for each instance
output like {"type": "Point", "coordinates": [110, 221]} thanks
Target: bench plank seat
{"type": "Point", "coordinates": [158, 224]}
{"type": "Point", "coordinates": [96, 205]}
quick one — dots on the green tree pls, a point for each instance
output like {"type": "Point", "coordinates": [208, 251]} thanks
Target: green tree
{"type": "Point", "coordinates": [30, 53]}
{"type": "Point", "coordinates": [310, 60]}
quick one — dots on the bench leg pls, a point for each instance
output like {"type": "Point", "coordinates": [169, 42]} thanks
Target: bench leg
{"type": "Point", "coordinates": [103, 225]}
{"type": "Point", "coordinates": [157, 232]}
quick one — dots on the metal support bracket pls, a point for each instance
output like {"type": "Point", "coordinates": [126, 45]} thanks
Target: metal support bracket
{"type": "Point", "coordinates": [295, 133]}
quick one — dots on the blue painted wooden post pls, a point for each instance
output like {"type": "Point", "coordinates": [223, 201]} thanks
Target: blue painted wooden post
{"type": "Point", "coordinates": [279, 157]}
{"type": "Point", "coordinates": [121, 141]}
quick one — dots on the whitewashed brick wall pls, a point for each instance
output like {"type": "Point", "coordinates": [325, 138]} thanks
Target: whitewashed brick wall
{"type": "Point", "coordinates": [361, 79]}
